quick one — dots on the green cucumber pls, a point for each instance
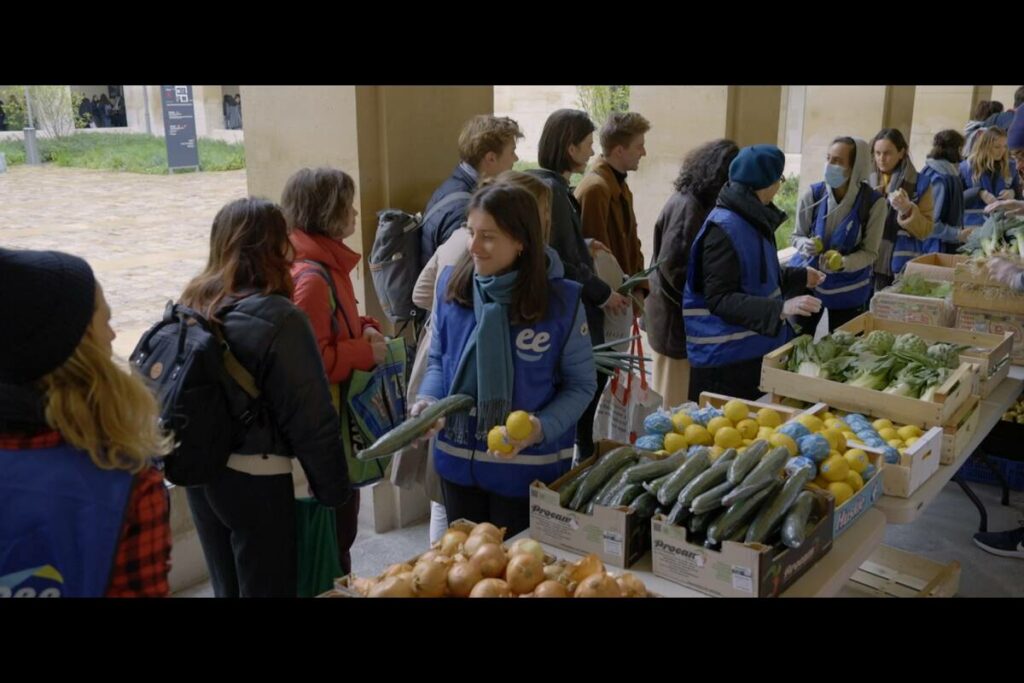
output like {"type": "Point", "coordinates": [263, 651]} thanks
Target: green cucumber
{"type": "Point", "coordinates": [415, 427]}
{"type": "Point", "coordinates": [694, 465]}
{"type": "Point", "coordinates": [655, 485]}
{"type": "Point", "coordinates": [779, 505]}
{"type": "Point", "coordinates": [608, 490]}
{"type": "Point", "coordinates": [656, 469]}
{"type": "Point", "coordinates": [568, 488]}
{"type": "Point", "coordinates": [645, 505]}
{"type": "Point", "coordinates": [698, 524]}
{"type": "Point", "coordinates": [794, 527]}
{"type": "Point", "coordinates": [747, 460]}
{"type": "Point", "coordinates": [678, 515]}
{"type": "Point", "coordinates": [710, 499]}
{"type": "Point", "coordinates": [626, 494]}
{"type": "Point", "coordinates": [601, 471]}
{"type": "Point", "coordinates": [742, 512]}
{"type": "Point", "coordinates": [713, 476]}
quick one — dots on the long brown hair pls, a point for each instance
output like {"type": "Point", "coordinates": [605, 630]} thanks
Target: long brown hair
{"type": "Point", "coordinates": [983, 160]}
{"type": "Point", "coordinates": [249, 250]}
{"type": "Point", "coordinates": [514, 210]}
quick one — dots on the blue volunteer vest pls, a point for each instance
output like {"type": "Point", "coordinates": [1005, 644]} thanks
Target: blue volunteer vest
{"type": "Point", "coordinates": [60, 522]}
{"type": "Point", "coordinates": [536, 353]}
{"type": "Point", "coordinates": [846, 289]}
{"type": "Point", "coordinates": [951, 186]}
{"type": "Point", "coordinates": [908, 247]}
{"type": "Point", "coordinates": [989, 182]}
{"type": "Point", "coordinates": [710, 341]}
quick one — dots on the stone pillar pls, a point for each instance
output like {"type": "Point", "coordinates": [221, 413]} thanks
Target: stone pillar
{"type": "Point", "coordinates": [938, 107]}
{"type": "Point", "coordinates": [209, 100]}
{"type": "Point", "coordinates": [397, 143]}
{"type": "Point", "coordinates": [1004, 94]}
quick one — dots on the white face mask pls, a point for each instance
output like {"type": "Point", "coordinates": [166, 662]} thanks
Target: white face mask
{"type": "Point", "coordinates": [835, 176]}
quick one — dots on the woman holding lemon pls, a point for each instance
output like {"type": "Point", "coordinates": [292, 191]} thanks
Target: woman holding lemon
{"type": "Point", "coordinates": [511, 332]}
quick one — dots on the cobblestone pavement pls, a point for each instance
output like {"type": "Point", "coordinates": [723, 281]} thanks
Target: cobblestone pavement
{"type": "Point", "coordinates": [145, 236]}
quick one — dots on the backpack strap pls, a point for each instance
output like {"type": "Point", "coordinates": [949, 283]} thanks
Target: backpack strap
{"type": "Point", "coordinates": [321, 270]}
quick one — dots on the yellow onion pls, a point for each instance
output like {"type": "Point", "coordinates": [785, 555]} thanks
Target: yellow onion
{"type": "Point", "coordinates": [527, 545]}
{"type": "Point", "coordinates": [392, 587]}
{"type": "Point", "coordinates": [462, 577]}
{"type": "Point", "coordinates": [550, 589]}
{"type": "Point", "coordinates": [523, 573]}
{"type": "Point", "coordinates": [598, 586]}
{"type": "Point", "coordinates": [430, 579]}
{"type": "Point", "coordinates": [489, 530]}
{"type": "Point", "coordinates": [452, 541]}
{"type": "Point", "coordinates": [491, 588]}
{"type": "Point", "coordinates": [631, 586]}
{"type": "Point", "coordinates": [396, 569]}
{"type": "Point", "coordinates": [490, 559]}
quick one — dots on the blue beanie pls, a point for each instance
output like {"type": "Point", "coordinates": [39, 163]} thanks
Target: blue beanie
{"type": "Point", "coordinates": [46, 304]}
{"type": "Point", "coordinates": [1015, 136]}
{"type": "Point", "coordinates": [757, 166]}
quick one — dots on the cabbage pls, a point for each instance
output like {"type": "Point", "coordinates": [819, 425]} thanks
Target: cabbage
{"type": "Point", "coordinates": [910, 343]}
{"type": "Point", "coordinates": [879, 342]}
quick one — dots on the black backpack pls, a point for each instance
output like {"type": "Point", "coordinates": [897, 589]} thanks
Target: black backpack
{"type": "Point", "coordinates": [207, 399]}
{"type": "Point", "coordinates": [395, 259]}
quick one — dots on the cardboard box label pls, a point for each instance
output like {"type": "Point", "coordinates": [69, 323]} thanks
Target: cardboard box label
{"type": "Point", "coordinates": [743, 579]}
{"type": "Point", "coordinates": [613, 543]}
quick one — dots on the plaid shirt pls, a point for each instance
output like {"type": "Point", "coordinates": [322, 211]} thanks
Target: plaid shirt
{"type": "Point", "coordinates": [144, 552]}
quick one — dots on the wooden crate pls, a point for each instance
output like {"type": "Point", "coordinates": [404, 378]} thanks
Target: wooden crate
{"type": "Point", "coordinates": [976, 289]}
{"type": "Point", "coordinates": [958, 433]}
{"type": "Point", "coordinates": [787, 413]}
{"type": "Point", "coordinates": [948, 398]}
{"type": "Point", "coordinates": [934, 266]}
{"type": "Point", "coordinates": [890, 304]}
{"type": "Point", "coordinates": [915, 467]}
{"type": "Point", "coordinates": [895, 573]}
{"type": "Point", "coordinates": [992, 353]}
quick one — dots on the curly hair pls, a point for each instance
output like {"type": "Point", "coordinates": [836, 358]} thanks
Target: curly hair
{"type": "Point", "coordinates": [706, 169]}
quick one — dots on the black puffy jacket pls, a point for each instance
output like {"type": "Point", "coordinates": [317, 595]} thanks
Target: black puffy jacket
{"type": "Point", "coordinates": [273, 339]}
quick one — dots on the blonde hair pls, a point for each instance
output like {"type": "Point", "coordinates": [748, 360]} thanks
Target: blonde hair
{"type": "Point", "coordinates": [540, 191]}
{"type": "Point", "coordinates": [485, 133]}
{"type": "Point", "coordinates": [984, 161]}
{"type": "Point", "coordinates": [104, 410]}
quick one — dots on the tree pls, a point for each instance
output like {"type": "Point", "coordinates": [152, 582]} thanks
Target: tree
{"type": "Point", "coordinates": [54, 108]}
{"type": "Point", "coordinates": [601, 100]}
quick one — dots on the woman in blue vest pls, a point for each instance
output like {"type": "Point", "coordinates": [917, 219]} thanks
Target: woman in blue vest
{"type": "Point", "coordinates": [842, 214]}
{"type": "Point", "coordinates": [941, 170]}
{"type": "Point", "coordinates": [909, 220]}
{"type": "Point", "coordinates": [510, 331]}
{"type": "Point", "coordinates": [737, 296]}
{"type": "Point", "coordinates": [988, 174]}
{"type": "Point", "coordinates": [83, 512]}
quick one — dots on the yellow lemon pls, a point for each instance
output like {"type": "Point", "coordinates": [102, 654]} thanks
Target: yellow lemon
{"type": "Point", "coordinates": [764, 432]}
{"type": "Point", "coordinates": [715, 452]}
{"type": "Point", "coordinates": [910, 441]}
{"type": "Point", "coordinates": [675, 442]}
{"type": "Point", "coordinates": [908, 432]}
{"type": "Point", "coordinates": [496, 441]}
{"type": "Point", "coordinates": [854, 480]}
{"type": "Point", "coordinates": [716, 423]}
{"type": "Point", "coordinates": [835, 439]}
{"type": "Point", "coordinates": [813, 423]}
{"type": "Point", "coordinates": [681, 421]}
{"type": "Point", "coordinates": [895, 443]}
{"type": "Point", "coordinates": [857, 459]}
{"type": "Point", "coordinates": [778, 440]}
{"type": "Point", "coordinates": [888, 433]}
{"type": "Point", "coordinates": [881, 424]}
{"type": "Point", "coordinates": [826, 416]}
{"type": "Point", "coordinates": [736, 410]}
{"type": "Point", "coordinates": [833, 259]}
{"type": "Point", "coordinates": [748, 428]}
{"type": "Point", "coordinates": [766, 417]}
{"type": "Point", "coordinates": [696, 435]}
{"type": "Point", "coordinates": [728, 437]}
{"type": "Point", "coordinates": [519, 425]}
{"type": "Point", "coordinates": [821, 482]}
{"type": "Point", "coordinates": [841, 490]}
{"type": "Point", "coordinates": [835, 468]}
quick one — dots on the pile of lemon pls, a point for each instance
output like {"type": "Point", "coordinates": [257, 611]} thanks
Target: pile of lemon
{"type": "Point", "coordinates": [737, 428]}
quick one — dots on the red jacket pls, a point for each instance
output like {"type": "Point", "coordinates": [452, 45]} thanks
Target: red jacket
{"type": "Point", "coordinates": [346, 350]}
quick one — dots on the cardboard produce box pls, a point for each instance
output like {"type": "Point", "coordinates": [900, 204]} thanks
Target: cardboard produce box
{"type": "Point", "coordinates": [923, 310]}
{"type": "Point", "coordinates": [740, 570]}
{"type": "Point", "coordinates": [935, 266]}
{"type": "Point", "coordinates": [619, 537]}
{"type": "Point", "coordinates": [993, 322]}
{"type": "Point", "coordinates": [974, 288]}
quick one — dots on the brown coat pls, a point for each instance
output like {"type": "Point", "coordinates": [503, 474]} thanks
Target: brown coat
{"type": "Point", "coordinates": [603, 219]}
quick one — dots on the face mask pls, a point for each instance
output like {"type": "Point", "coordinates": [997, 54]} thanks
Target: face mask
{"type": "Point", "coordinates": [835, 176]}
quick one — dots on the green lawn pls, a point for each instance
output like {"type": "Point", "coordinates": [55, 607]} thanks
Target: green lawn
{"type": "Point", "coordinates": [130, 152]}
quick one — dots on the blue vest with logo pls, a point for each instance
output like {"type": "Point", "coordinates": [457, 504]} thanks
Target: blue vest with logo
{"type": "Point", "coordinates": [989, 182]}
{"type": "Point", "coordinates": [710, 341]}
{"type": "Point", "coordinates": [60, 522]}
{"type": "Point", "coordinates": [846, 289]}
{"type": "Point", "coordinates": [951, 186]}
{"type": "Point", "coordinates": [908, 247]}
{"type": "Point", "coordinates": [536, 353]}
